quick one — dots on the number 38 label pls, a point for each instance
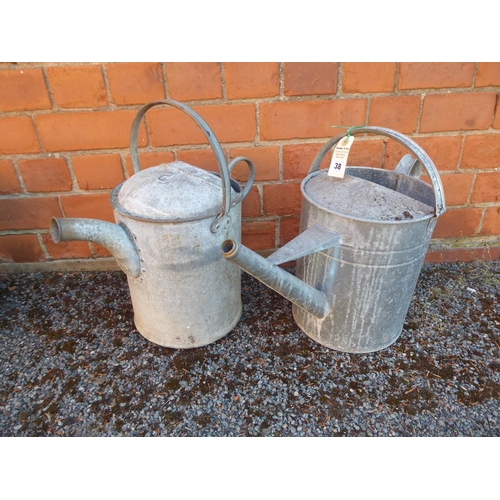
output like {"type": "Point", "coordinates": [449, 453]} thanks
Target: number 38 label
{"type": "Point", "coordinates": [339, 157]}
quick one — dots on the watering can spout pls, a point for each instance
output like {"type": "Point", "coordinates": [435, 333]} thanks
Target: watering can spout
{"type": "Point", "coordinates": [112, 236]}
{"type": "Point", "coordinates": [301, 294]}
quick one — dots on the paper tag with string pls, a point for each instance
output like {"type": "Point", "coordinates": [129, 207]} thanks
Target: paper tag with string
{"type": "Point", "coordinates": [339, 157]}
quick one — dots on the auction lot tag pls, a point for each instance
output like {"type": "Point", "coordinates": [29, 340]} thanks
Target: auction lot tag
{"type": "Point", "coordinates": [339, 157]}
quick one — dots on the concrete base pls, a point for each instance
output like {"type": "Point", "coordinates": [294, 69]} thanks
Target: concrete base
{"type": "Point", "coordinates": [444, 250]}
{"type": "Point", "coordinates": [65, 265]}
{"type": "Point", "coordinates": [464, 249]}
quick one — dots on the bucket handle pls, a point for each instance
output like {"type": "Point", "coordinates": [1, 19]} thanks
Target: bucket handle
{"type": "Point", "coordinates": [403, 140]}
{"type": "Point", "coordinates": [222, 219]}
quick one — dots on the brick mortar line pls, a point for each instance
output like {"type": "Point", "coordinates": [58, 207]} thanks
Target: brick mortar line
{"type": "Point", "coordinates": [43, 247]}
{"type": "Point", "coordinates": [260, 190]}
{"type": "Point", "coordinates": [222, 72]}
{"type": "Point", "coordinates": [384, 153]}
{"type": "Point", "coordinates": [147, 126]}
{"type": "Point", "coordinates": [229, 157]}
{"type": "Point", "coordinates": [69, 264]}
{"type": "Point", "coordinates": [375, 137]}
{"type": "Point", "coordinates": [481, 220]}
{"type": "Point", "coordinates": [472, 186]}
{"type": "Point", "coordinates": [276, 99]}
{"type": "Point", "coordinates": [107, 86]}
{"type": "Point", "coordinates": [474, 75]}
{"type": "Point", "coordinates": [269, 142]}
{"type": "Point", "coordinates": [119, 107]}
{"type": "Point", "coordinates": [41, 64]}
{"type": "Point", "coordinates": [280, 144]}
{"type": "Point", "coordinates": [48, 88]}
{"type": "Point", "coordinates": [53, 194]}
{"type": "Point", "coordinates": [41, 194]}
{"type": "Point", "coordinates": [495, 110]}
{"type": "Point", "coordinates": [255, 142]}
{"type": "Point", "coordinates": [487, 239]}
{"type": "Point", "coordinates": [482, 205]}
{"type": "Point", "coordinates": [260, 143]}
{"type": "Point", "coordinates": [362, 95]}
{"type": "Point", "coordinates": [469, 171]}
{"type": "Point", "coordinates": [396, 78]}
{"type": "Point", "coordinates": [460, 154]}
{"type": "Point", "coordinates": [280, 163]}
{"type": "Point", "coordinates": [93, 250]}
{"type": "Point", "coordinates": [265, 218]}
{"type": "Point", "coordinates": [37, 64]}
{"type": "Point", "coordinates": [257, 123]}
{"type": "Point", "coordinates": [166, 91]}
{"type": "Point", "coordinates": [21, 232]}
{"type": "Point", "coordinates": [69, 166]}
{"type": "Point", "coordinates": [37, 134]}
{"type": "Point", "coordinates": [59, 204]}
{"type": "Point", "coordinates": [77, 190]}
{"type": "Point", "coordinates": [19, 176]}
{"type": "Point", "coordinates": [281, 81]}
{"type": "Point", "coordinates": [420, 112]}
{"type": "Point", "coordinates": [340, 79]}
{"type": "Point", "coordinates": [123, 164]}
{"type": "Point", "coordinates": [368, 109]}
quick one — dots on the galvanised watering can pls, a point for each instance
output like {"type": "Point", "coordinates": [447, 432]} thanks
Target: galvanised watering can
{"type": "Point", "coordinates": [362, 243]}
{"type": "Point", "coordinates": [170, 223]}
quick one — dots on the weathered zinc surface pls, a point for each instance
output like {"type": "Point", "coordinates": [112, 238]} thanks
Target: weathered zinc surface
{"type": "Point", "coordinates": [354, 296]}
{"type": "Point", "coordinates": [170, 223]}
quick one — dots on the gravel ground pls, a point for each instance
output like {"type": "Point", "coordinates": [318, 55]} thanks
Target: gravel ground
{"type": "Point", "coordinates": [73, 364]}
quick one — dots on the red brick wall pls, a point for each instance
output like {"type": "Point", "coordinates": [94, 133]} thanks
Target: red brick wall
{"type": "Point", "coordinates": [64, 139]}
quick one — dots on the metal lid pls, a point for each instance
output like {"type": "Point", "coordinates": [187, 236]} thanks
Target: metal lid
{"type": "Point", "coordinates": [359, 198]}
{"type": "Point", "coordinates": [171, 192]}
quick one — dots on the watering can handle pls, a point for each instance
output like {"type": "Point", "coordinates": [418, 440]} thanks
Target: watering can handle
{"type": "Point", "coordinates": [219, 155]}
{"type": "Point", "coordinates": [405, 141]}
{"type": "Point", "coordinates": [251, 174]}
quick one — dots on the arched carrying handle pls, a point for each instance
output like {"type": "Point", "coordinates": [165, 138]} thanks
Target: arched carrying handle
{"type": "Point", "coordinates": [403, 140]}
{"type": "Point", "coordinates": [219, 155]}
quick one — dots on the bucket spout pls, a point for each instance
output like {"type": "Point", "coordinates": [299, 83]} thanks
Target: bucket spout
{"type": "Point", "coordinates": [287, 285]}
{"type": "Point", "coordinates": [112, 236]}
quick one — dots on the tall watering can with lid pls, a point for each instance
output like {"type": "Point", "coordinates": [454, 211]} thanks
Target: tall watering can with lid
{"type": "Point", "coordinates": [170, 223]}
{"type": "Point", "coordinates": [362, 243]}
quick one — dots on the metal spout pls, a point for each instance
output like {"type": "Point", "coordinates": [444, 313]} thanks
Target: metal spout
{"type": "Point", "coordinates": [293, 289]}
{"type": "Point", "coordinates": [112, 236]}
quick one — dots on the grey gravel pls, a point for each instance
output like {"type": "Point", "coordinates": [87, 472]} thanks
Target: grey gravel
{"type": "Point", "coordinates": [73, 364]}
